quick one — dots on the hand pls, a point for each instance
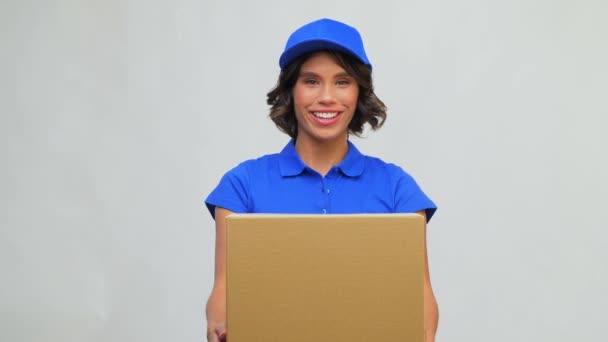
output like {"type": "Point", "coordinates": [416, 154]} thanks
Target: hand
{"type": "Point", "coordinates": [216, 331]}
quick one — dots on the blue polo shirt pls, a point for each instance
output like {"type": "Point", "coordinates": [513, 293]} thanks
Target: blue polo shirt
{"type": "Point", "coordinates": [282, 184]}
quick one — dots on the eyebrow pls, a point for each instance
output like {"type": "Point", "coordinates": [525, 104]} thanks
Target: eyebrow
{"type": "Point", "coordinates": [312, 74]}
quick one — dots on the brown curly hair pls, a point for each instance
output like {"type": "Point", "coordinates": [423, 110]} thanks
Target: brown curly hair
{"type": "Point", "coordinates": [370, 109]}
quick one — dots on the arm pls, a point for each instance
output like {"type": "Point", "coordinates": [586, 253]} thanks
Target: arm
{"type": "Point", "coordinates": [431, 310]}
{"type": "Point", "coordinates": [216, 306]}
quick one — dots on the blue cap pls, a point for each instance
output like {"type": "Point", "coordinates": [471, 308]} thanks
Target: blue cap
{"type": "Point", "coordinates": [324, 34]}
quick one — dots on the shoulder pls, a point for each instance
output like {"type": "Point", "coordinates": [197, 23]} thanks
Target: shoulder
{"type": "Point", "coordinates": [250, 167]}
{"type": "Point", "coordinates": [236, 185]}
{"type": "Point", "coordinates": [378, 166]}
{"type": "Point", "coordinates": [357, 163]}
{"type": "Point", "coordinates": [405, 193]}
{"type": "Point", "coordinates": [391, 174]}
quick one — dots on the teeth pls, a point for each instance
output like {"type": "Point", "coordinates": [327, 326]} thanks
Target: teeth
{"type": "Point", "coordinates": [324, 115]}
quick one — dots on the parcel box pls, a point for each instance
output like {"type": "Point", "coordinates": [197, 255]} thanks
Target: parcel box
{"type": "Point", "coordinates": [338, 278]}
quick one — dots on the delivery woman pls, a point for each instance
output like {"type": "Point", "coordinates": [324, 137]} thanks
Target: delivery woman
{"type": "Point", "coordinates": [324, 95]}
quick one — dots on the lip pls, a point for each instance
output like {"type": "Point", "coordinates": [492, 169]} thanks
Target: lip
{"type": "Point", "coordinates": [325, 122]}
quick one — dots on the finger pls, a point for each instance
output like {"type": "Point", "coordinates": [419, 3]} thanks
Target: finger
{"type": "Point", "coordinates": [212, 337]}
{"type": "Point", "coordinates": [220, 330]}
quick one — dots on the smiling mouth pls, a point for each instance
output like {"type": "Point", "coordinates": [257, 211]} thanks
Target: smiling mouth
{"type": "Point", "coordinates": [325, 115]}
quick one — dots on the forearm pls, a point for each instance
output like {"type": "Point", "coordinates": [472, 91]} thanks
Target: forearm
{"type": "Point", "coordinates": [216, 315]}
{"type": "Point", "coordinates": [431, 314]}
{"type": "Point", "coordinates": [216, 305]}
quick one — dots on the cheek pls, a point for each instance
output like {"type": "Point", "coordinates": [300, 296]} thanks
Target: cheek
{"type": "Point", "coordinates": [296, 95]}
{"type": "Point", "coordinates": [350, 98]}
{"type": "Point", "coordinates": [302, 99]}
{"type": "Point", "coordinates": [297, 104]}
{"type": "Point", "coordinates": [302, 94]}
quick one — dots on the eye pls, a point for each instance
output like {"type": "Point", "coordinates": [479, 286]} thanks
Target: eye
{"type": "Point", "coordinates": [343, 82]}
{"type": "Point", "coordinates": [311, 81]}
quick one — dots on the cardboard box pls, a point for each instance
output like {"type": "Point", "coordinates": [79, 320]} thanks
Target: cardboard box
{"type": "Point", "coordinates": [339, 278]}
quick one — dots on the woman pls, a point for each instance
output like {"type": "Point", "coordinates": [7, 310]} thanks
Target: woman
{"type": "Point", "coordinates": [324, 94]}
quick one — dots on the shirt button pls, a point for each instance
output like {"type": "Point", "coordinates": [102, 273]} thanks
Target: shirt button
{"type": "Point", "coordinates": [327, 190]}
{"type": "Point", "coordinates": [324, 211]}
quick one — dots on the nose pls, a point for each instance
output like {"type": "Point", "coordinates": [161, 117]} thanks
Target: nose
{"type": "Point", "coordinates": [327, 95]}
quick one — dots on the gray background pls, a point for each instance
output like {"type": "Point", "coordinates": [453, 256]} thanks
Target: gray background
{"type": "Point", "coordinates": [119, 117]}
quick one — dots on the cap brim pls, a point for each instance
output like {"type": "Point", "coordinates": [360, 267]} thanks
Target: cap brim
{"type": "Point", "coordinates": [313, 45]}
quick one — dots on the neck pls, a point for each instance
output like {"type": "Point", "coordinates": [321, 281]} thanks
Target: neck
{"type": "Point", "coordinates": [321, 156]}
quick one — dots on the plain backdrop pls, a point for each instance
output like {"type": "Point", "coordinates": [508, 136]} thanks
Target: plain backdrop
{"type": "Point", "coordinates": [118, 117]}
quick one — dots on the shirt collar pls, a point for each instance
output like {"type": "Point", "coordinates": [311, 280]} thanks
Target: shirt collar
{"type": "Point", "coordinates": [290, 163]}
{"type": "Point", "coordinates": [352, 165]}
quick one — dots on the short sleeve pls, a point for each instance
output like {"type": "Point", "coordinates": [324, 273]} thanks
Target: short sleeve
{"type": "Point", "coordinates": [409, 198]}
{"type": "Point", "coordinates": [232, 192]}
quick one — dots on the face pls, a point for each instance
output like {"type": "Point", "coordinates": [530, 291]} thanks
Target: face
{"type": "Point", "coordinates": [325, 99]}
